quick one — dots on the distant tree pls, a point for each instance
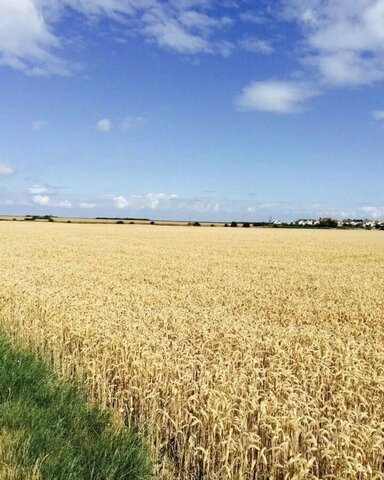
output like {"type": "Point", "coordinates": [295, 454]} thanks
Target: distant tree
{"type": "Point", "coordinates": [152, 223]}
{"type": "Point", "coordinates": [233, 224]}
{"type": "Point", "coordinates": [226, 225]}
{"type": "Point", "coordinates": [328, 223]}
{"type": "Point", "coordinates": [69, 221]}
{"type": "Point", "coordinates": [196, 224]}
{"type": "Point", "coordinates": [50, 219]}
{"type": "Point", "coordinates": [212, 225]}
{"type": "Point", "coordinates": [120, 222]}
{"type": "Point", "coordinates": [246, 225]}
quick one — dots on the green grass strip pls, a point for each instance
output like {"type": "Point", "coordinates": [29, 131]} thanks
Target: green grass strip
{"type": "Point", "coordinates": [57, 434]}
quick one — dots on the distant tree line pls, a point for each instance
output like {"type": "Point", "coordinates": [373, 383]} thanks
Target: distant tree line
{"type": "Point", "coordinates": [32, 218]}
{"type": "Point", "coordinates": [126, 219]}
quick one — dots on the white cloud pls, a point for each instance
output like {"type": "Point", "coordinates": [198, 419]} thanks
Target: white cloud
{"type": "Point", "coordinates": [252, 17]}
{"type": "Point", "coordinates": [41, 196]}
{"type": "Point", "coordinates": [344, 39]}
{"type": "Point", "coordinates": [256, 45]}
{"type": "Point", "coordinates": [342, 45]}
{"type": "Point", "coordinates": [87, 205]}
{"type": "Point", "coordinates": [373, 212]}
{"type": "Point", "coordinates": [202, 22]}
{"type": "Point", "coordinates": [130, 123]}
{"type": "Point", "coordinates": [26, 40]}
{"type": "Point", "coordinates": [38, 189]}
{"type": "Point", "coordinates": [378, 114]}
{"type": "Point", "coordinates": [30, 42]}
{"type": "Point", "coordinates": [150, 200]}
{"type": "Point", "coordinates": [120, 202]}
{"type": "Point", "coordinates": [63, 203]}
{"type": "Point", "coordinates": [274, 96]}
{"type": "Point", "coordinates": [41, 199]}
{"type": "Point", "coordinates": [104, 125]}
{"type": "Point", "coordinates": [154, 200]}
{"type": "Point", "coordinates": [38, 125]}
{"type": "Point", "coordinates": [6, 169]}
{"type": "Point", "coordinates": [347, 68]}
{"type": "Point", "coordinates": [168, 32]}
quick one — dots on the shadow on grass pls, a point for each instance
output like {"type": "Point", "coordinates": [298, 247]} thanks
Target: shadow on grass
{"type": "Point", "coordinates": [56, 434]}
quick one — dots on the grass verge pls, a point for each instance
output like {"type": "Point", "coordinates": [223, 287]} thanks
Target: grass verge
{"type": "Point", "coordinates": [49, 432]}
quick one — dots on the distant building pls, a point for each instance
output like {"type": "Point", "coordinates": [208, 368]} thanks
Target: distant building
{"type": "Point", "coordinates": [311, 222]}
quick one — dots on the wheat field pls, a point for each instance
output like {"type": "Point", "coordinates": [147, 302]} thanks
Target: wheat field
{"type": "Point", "coordinates": [240, 353]}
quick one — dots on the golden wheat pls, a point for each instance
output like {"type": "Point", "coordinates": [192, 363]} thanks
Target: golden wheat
{"type": "Point", "coordinates": [241, 353]}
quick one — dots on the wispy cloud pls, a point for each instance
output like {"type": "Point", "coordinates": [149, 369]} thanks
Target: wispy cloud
{"type": "Point", "coordinates": [6, 169]}
{"type": "Point", "coordinates": [378, 115]}
{"type": "Point", "coordinates": [37, 189]}
{"type": "Point", "coordinates": [38, 125]}
{"type": "Point", "coordinates": [29, 40]}
{"type": "Point", "coordinates": [375, 212]}
{"type": "Point", "coordinates": [256, 45]}
{"type": "Point", "coordinates": [131, 123]}
{"type": "Point", "coordinates": [62, 203]}
{"type": "Point", "coordinates": [275, 96]}
{"type": "Point", "coordinates": [253, 17]}
{"type": "Point", "coordinates": [6, 203]}
{"type": "Point", "coordinates": [87, 205]}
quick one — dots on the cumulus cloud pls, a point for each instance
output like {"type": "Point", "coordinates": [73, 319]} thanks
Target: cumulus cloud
{"type": "Point", "coordinates": [42, 200]}
{"type": "Point", "coordinates": [150, 200]}
{"type": "Point", "coordinates": [154, 200]}
{"type": "Point", "coordinates": [45, 200]}
{"type": "Point", "coordinates": [275, 96]}
{"type": "Point", "coordinates": [6, 169]}
{"type": "Point", "coordinates": [342, 45]}
{"type": "Point", "coordinates": [27, 42]}
{"type": "Point", "coordinates": [104, 125]}
{"type": "Point", "coordinates": [46, 196]}
{"type": "Point", "coordinates": [120, 201]}
{"type": "Point", "coordinates": [343, 39]}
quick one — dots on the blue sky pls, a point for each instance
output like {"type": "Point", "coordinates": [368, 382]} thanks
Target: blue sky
{"type": "Point", "coordinates": [192, 109]}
